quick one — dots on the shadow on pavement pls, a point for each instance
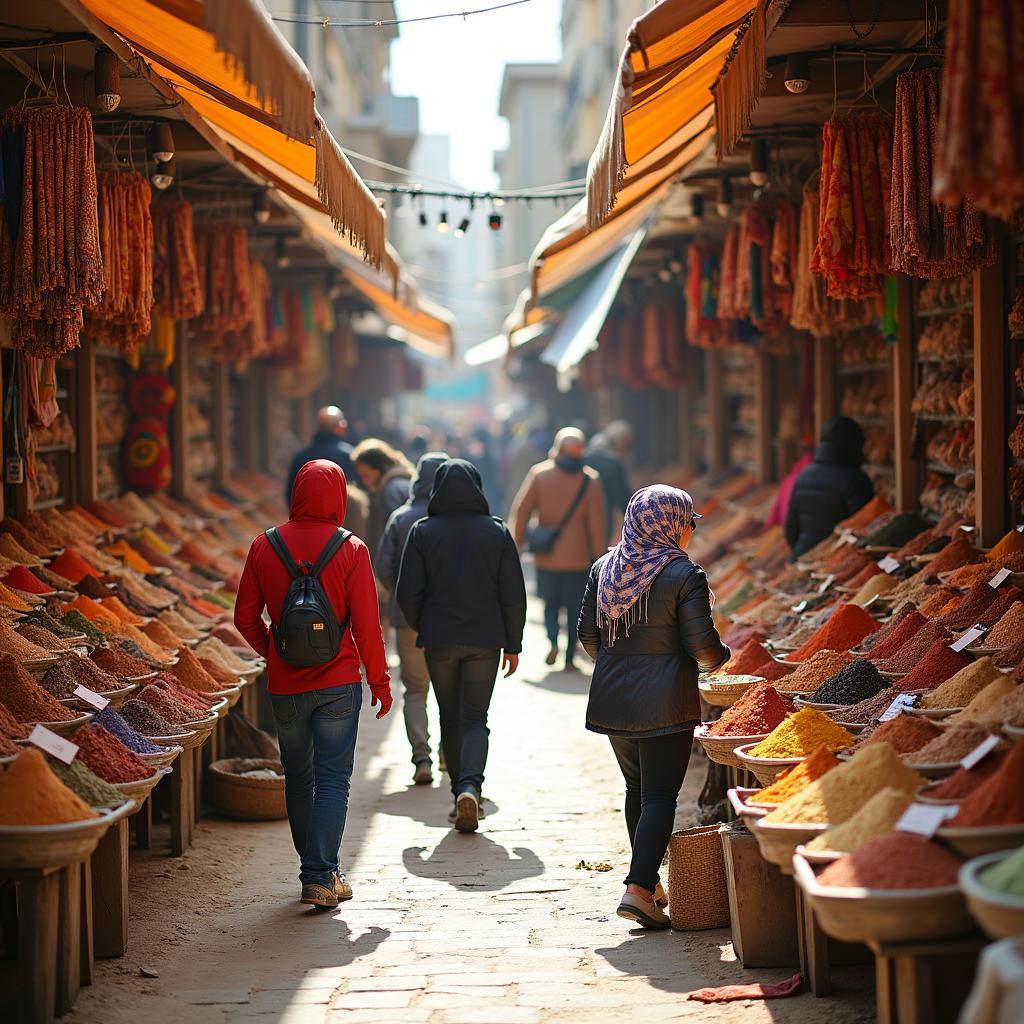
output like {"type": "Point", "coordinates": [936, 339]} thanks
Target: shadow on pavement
{"type": "Point", "coordinates": [561, 682]}
{"type": "Point", "coordinates": [473, 862]}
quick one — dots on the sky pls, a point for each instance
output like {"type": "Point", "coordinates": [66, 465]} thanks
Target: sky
{"type": "Point", "coordinates": [455, 65]}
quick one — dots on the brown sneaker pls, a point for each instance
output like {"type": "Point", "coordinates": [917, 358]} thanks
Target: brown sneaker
{"type": "Point", "coordinates": [645, 912]}
{"type": "Point", "coordinates": [341, 887]}
{"type": "Point", "coordinates": [318, 896]}
{"type": "Point", "coordinates": [423, 775]}
{"type": "Point", "coordinates": [660, 896]}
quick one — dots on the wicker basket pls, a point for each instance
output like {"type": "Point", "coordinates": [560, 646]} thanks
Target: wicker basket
{"type": "Point", "coordinates": [698, 896]}
{"type": "Point", "coordinates": [247, 799]}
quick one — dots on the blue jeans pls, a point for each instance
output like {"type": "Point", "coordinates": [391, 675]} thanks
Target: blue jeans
{"type": "Point", "coordinates": [317, 732]}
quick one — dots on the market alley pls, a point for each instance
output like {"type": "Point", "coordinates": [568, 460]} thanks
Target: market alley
{"type": "Point", "coordinates": [497, 927]}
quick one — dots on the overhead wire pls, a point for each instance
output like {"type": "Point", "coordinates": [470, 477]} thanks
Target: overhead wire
{"type": "Point", "coordinates": [328, 21]}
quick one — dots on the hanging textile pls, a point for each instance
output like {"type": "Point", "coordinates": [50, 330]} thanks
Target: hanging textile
{"type": "Point", "coordinates": [701, 291]}
{"type": "Point", "coordinates": [123, 316]}
{"type": "Point", "coordinates": [177, 292]}
{"type": "Point", "coordinates": [852, 250]}
{"type": "Point", "coordinates": [980, 150]}
{"type": "Point", "coordinates": [929, 239]}
{"type": "Point", "coordinates": [727, 287]}
{"type": "Point", "coordinates": [813, 309]}
{"type": "Point", "coordinates": [222, 256]}
{"type": "Point", "coordinates": [40, 376]}
{"type": "Point", "coordinates": [51, 268]}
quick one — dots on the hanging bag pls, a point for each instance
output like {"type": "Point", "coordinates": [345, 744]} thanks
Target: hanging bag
{"type": "Point", "coordinates": [540, 540]}
{"type": "Point", "coordinates": [307, 631]}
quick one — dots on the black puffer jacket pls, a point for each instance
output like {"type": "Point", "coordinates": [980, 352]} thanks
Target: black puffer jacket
{"type": "Point", "coordinates": [461, 581]}
{"type": "Point", "coordinates": [646, 683]}
{"type": "Point", "coordinates": [831, 488]}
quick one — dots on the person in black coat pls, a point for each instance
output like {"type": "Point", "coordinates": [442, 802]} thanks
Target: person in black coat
{"type": "Point", "coordinates": [646, 622]}
{"type": "Point", "coordinates": [328, 443]}
{"type": "Point", "coordinates": [460, 586]}
{"type": "Point", "coordinates": [831, 488]}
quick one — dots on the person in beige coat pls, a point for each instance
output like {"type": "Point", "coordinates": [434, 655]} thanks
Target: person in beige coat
{"type": "Point", "coordinates": [559, 515]}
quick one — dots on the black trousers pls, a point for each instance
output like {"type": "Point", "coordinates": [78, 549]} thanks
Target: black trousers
{"type": "Point", "coordinates": [463, 680]}
{"type": "Point", "coordinates": [654, 769]}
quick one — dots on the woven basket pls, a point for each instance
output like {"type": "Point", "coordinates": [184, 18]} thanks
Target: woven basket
{"type": "Point", "coordinates": [247, 799]}
{"type": "Point", "coordinates": [698, 896]}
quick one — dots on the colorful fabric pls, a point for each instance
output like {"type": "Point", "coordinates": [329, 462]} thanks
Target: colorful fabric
{"type": "Point", "coordinates": [655, 520]}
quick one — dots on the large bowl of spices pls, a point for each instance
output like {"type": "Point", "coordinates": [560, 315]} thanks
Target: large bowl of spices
{"type": "Point", "coordinates": [777, 841]}
{"type": "Point", "coordinates": [896, 888]}
{"type": "Point", "coordinates": [139, 789]}
{"type": "Point", "coordinates": [163, 758]}
{"type": "Point", "coordinates": [765, 769]}
{"type": "Point", "coordinates": [724, 691]}
{"type": "Point", "coordinates": [994, 887]}
{"type": "Point", "coordinates": [743, 810]}
{"type": "Point", "coordinates": [115, 698]}
{"type": "Point", "coordinates": [722, 749]}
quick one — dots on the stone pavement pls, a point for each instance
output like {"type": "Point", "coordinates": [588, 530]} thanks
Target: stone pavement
{"type": "Point", "coordinates": [494, 928]}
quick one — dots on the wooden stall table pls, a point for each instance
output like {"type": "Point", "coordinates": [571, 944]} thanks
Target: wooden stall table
{"type": "Point", "coordinates": [182, 803]}
{"type": "Point", "coordinates": [924, 982]}
{"type": "Point", "coordinates": [109, 872]}
{"type": "Point", "coordinates": [39, 920]}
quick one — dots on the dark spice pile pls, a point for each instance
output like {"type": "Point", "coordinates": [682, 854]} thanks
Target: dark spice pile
{"type": "Point", "coordinates": [166, 706]}
{"type": "Point", "coordinates": [108, 757]}
{"type": "Point", "coordinates": [119, 663]}
{"type": "Point", "coordinates": [866, 711]}
{"type": "Point", "coordinates": [897, 860]}
{"type": "Point", "coordinates": [904, 733]}
{"type": "Point", "coordinates": [144, 719]}
{"type": "Point", "coordinates": [119, 728]}
{"type": "Point", "coordinates": [43, 638]}
{"type": "Point", "coordinates": [911, 653]}
{"type": "Point", "coordinates": [897, 532]}
{"type": "Point", "coordinates": [133, 650]}
{"type": "Point", "coordinates": [852, 684]}
{"type": "Point", "coordinates": [938, 664]}
{"type": "Point", "coordinates": [978, 600]}
{"type": "Point", "coordinates": [26, 700]}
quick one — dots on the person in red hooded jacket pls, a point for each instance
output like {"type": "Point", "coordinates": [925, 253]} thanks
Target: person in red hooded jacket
{"type": "Point", "coordinates": [316, 707]}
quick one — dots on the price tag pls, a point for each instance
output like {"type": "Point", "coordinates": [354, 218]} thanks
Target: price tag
{"type": "Point", "coordinates": [981, 751]}
{"type": "Point", "coordinates": [968, 638]}
{"type": "Point", "coordinates": [825, 584]}
{"type": "Point", "coordinates": [848, 538]}
{"type": "Point", "coordinates": [898, 706]}
{"type": "Point", "coordinates": [888, 564]}
{"type": "Point", "coordinates": [997, 581]}
{"type": "Point", "coordinates": [967, 529]}
{"type": "Point", "coordinates": [801, 607]}
{"type": "Point", "coordinates": [62, 749]}
{"type": "Point", "coordinates": [93, 699]}
{"type": "Point", "coordinates": [925, 819]}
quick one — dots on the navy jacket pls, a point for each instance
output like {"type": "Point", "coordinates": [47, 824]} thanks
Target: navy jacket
{"type": "Point", "coordinates": [325, 446]}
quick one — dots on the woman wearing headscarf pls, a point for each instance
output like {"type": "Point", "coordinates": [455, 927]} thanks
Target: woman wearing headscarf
{"type": "Point", "coordinates": [646, 622]}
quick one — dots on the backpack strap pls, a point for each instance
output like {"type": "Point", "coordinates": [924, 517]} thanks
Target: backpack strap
{"type": "Point", "coordinates": [331, 548]}
{"type": "Point", "coordinates": [276, 541]}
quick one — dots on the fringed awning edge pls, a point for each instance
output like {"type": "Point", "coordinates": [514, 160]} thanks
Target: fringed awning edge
{"type": "Point", "coordinates": [352, 207]}
{"type": "Point", "coordinates": [607, 167]}
{"type": "Point", "coordinates": [253, 47]}
{"type": "Point", "coordinates": [741, 82]}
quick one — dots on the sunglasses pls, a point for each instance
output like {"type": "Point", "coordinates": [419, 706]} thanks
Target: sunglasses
{"type": "Point", "coordinates": [694, 516]}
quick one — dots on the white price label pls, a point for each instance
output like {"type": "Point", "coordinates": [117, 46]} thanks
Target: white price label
{"type": "Point", "coordinates": [62, 749]}
{"type": "Point", "coordinates": [848, 538]}
{"type": "Point", "coordinates": [898, 706]}
{"type": "Point", "coordinates": [968, 638]}
{"type": "Point", "coordinates": [825, 584]}
{"type": "Point", "coordinates": [925, 819]}
{"type": "Point", "coordinates": [801, 607]}
{"type": "Point", "coordinates": [93, 699]}
{"type": "Point", "coordinates": [888, 564]}
{"type": "Point", "coordinates": [997, 580]}
{"type": "Point", "coordinates": [981, 751]}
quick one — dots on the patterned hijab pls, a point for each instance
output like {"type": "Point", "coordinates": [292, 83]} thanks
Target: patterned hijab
{"type": "Point", "coordinates": [655, 520]}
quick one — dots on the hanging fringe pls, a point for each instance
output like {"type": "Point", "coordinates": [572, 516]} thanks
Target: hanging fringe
{"type": "Point", "coordinates": [607, 167]}
{"type": "Point", "coordinates": [632, 616]}
{"type": "Point", "coordinates": [741, 82]}
{"type": "Point", "coordinates": [351, 205]}
{"type": "Point", "coordinates": [254, 48]}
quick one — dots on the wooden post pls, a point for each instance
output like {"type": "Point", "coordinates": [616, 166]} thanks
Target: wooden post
{"type": "Point", "coordinates": [181, 797]}
{"type": "Point", "coordinates": [714, 396]}
{"type": "Point", "coordinates": [110, 891]}
{"type": "Point", "coordinates": [3, 441]}
{"type": "Point", "coordinates": [69, 937]}
{"type": "Point", "coordinates": [86, 945]}
{"type": "Point", "coordinates": [765, 418]}
{"type": "Point", "coordinates": [991, 371]}
{"type": "Point", "coordinates": [908, 468]}
{"type": "Point", "coordinates": [86, 456]}
{"type": "Point", "coordinates": [246, 429]}
{"type": "Point", "coordinates": [181, 482]}
{"type": "Point", "coordinates": [38, 902]}
{"type": "Point", "coordinates": [220, 394]}
{"type": "Point", "coordinates": [824, 382]}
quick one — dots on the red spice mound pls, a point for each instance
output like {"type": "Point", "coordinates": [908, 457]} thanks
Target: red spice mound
{"type": "Point", "coordinates": [939, 663]}
{"type": "Point", "coordinates": [25, 699]}
{"type": "Point", "coordinates": [876, 639]}
{"type": "Point", "coordinates": [979, 599]}
{"type": "Point", "coordinates": [219, 672]}
{"type": "Point", "coordinates": [897, 860]}
{"type": "Point", "coordinates": [907, 657]}
{"type": "Point", "coordinates": [108, 757]}
{"type": "Point", "coordinates": [72, 566]}
{"type": "Point", "coordinates": [188, 697]}
{"type": "Point", "coordinates": [745, 660]}
{"type": "Point", "coordinates": [1008, 597]}
{"type": "Point", "coordinates": [942, 601]}
{"type": "Point", "coordinates": [226, 632]}
{"type": "Point", "coordinates": [868, 572]}
{"type": "Point", "coordinates": [901, 635]}
{"type": "Point", "coordinates": [845, 628]}
{"type": "Point", "coordinates": [958, 552]}
{"type": "Point", "coordinates": [160, 634]}
{"type": "Point", "coordinates": [963, 782]}
{"type": "Point", "coordinates": [22, 579]}
{"type": "Point", "coordinates": [1000, 800]}
{"type": "Point", "coordinates": [756, 713]}
{"type": "Point", "coordinates": [191, 672]}
{"type": "Point", "coordinates": [10, 727]}
{"type": "Point", "coordinates": [166, 706]}
{"type": "Point", "coordinates": [735, 637]}
{"type": "Point", "coordinates": [94, 612]}
{"type": "Point", "coordinates": [119, 663]}
{"type": "Point", "coordinates": [772, 671]}
{"type": "Point", "coordinates": [905, 734]}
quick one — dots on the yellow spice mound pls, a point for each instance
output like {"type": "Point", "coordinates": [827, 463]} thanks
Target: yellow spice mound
{"type": "Point", "coordinates": [983, 702]}
{"type": "Point", "coordinates": [878, 816]}
{"type": "Point", "coordinates": [799, 777]}
{"type": "Point", "coordinates": [959, 689]}
{"type": "Point", "coordinates": [802, 733]}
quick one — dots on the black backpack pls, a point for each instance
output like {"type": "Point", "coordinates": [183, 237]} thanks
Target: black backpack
{"type": "Point", "coordinates": [308, 631]}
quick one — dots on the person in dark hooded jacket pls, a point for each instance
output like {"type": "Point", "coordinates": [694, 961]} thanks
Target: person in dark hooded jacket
{"type": "Point", "coordinates": [831, 488]}
{"type": "Point", "coordinates": [461, 589]}
{"type": "Point", "coordinates": [386, 562]}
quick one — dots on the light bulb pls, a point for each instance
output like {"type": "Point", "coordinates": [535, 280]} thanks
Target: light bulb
{"type": "Point", "coordinates": [442, 222]}
{"type": "Point", "coordinates": [798, 73]}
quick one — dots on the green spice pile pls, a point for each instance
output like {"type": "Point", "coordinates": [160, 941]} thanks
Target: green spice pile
{"type": "Point", "coordinates": [897, 532]}
{"type": "Point", "coordinates": [86, 783]}
{"type": "Point", "coordinates": [1005, 876]}
{"type": "Point", "coordinates": [76, 621]}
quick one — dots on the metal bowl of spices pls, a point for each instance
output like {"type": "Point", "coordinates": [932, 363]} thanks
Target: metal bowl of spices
{"type": "Point", "coordinates": [924, 795]}
{"type": "Point", "coordinates": [936, 714]}
{"type": "Point", "coordinates": [723, 691]}
{"type": "Point", "coordinates": [765, 769]}
{"type": "Point", "coordinates": [803, 702]}
{"type": "Point", "coordinates": [933, 771]}
{"type": "Point", "coordinates": [63, 728]}
{"type": "Point", "coordinates": [747, 812]}
{"type": "Point", "coordinates": [40, 665]}
{"type": "Point", "coordinates": [1014, 732]}
{"type": "Point", "coordinates": [817, 856]}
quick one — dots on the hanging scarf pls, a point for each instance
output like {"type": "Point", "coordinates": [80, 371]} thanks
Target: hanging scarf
{"type": "Point", "coordinates": [655, 520]}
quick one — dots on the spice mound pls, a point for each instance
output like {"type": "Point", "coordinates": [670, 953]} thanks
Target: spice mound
{"type": "Point", "coordinates": [141, 717]}
{"type": "Point", "coordinates": [12, 642]}
{"type": "Point", "coordinates": [793, 780]}
{"type": "Point", "coordinates": [119, 663]}
{"type": "Point", "coordinates": [81, 779]}
{"type": "Point", "coordinates": [813, 672]}
{"type": "Point", "coordinates": [772, 671]}
{"type": "Point", "coordinates": [756, 713]}
{"type": "Point", "coordinates": [1009, 629]}
{"type": "Point", "coordinates": [802, 733]}
{"type": "Point", "coordinates": [895, 634]}
{"type": "Point", "coordinates": [897, 532]}
{"type": "Point", "coordinates": [30, 794]}
{"type": "Point", "coordinates": [840, 793]}
{"type": "Point", "coordinates": [742, 663]}
{"type": "Point", "coordinates": [950, 746]}
{"type": "Point", "coordinates": [867, 711]}
{"type": "Point", "coordinates": [1000, 687]}
{"type": "Point", "coordinates": [167, 706]}
{"type": "Point", "coordinates": [119, 728]}
{"type": "Point", "coordinates": [962, 687]}
{"type": "Point", "coordinates": [874, 819]}
{"type": "Point", "coordinates": [108, 757]}
{"type": "Point", "coordinates": [858, 681]}
{"type": "Point", "coordinates": [1000, 800]}
{"type": "Point", "coordinates": [26, 700]}
{"type": "Point", "coordinates": [1005, 876]}
{"type": "Point", "coordinates": [964, 781]}
{"type": "Point", "coordinates": [904, 733]}
{"type": "Point", "coordinates": [897, 860]}
{"type": "Point", "coordinates": [191, 672]}
{"type": "Point", "coordinates": [879, 583]}
{"type": "Point", "coordinates": [845, 628]}
{"type": "Point", "coordinates": [914, 650]}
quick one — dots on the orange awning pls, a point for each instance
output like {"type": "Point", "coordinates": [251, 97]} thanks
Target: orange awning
{"type": "Point", "coordinates": [171, 37]}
